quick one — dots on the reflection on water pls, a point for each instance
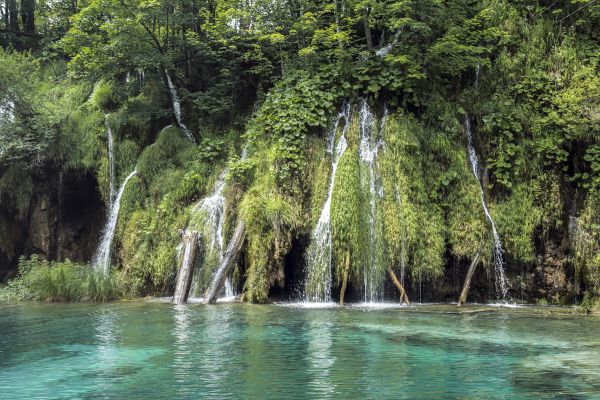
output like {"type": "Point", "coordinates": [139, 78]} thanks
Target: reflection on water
{"type": "Point", "coordinates": [320, 358]}
{"type": "Point", "coordinates": [105, 325]}
{"type": "Point", "coordinates": [155, 350]}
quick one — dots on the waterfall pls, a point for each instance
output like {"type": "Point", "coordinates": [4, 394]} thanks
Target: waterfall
{"type": "Point", "coordinates": [230, 292]}
{"type": "Point", "coordinates": [111, 161]}
{"type": "Point", "coordinates": [498, 251]}
{"type": "Point", "coordinates": [370, 144]}
{"type": "Point", "coordinates": [101, 259]}
{"type": "Point", "coordinates": [319, 276]}
{"type": "Point", "coordinates": [7, 110]}
{"type": "Point", "coordinates": [177, 108]}
{"type": "Point", "coordinates": [214, 208]}
{"type": "Point", "coordinates": [184, 275]}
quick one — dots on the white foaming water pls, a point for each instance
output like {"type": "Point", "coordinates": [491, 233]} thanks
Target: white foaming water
{"type": "Point", "coordinates": [214, 208]}
{"type": "Point", "coordinates": [101, 260]}
{"type": "Point", "coordinates": [310, 305]}
{"type": "Point", "coordinates": [319, 276]}
{"type": "Point", "coordinates": [501, 280]}
{"type": "Point", "coordinates": [368, 151]}
{"type": "Point", "coordinates": [111, 161]}
{"type": "Point", "coordinates": [377, 305]}
{"type": "Point", "coordinates": [505, 305]}
{"type": "Point", "coordinates": [177, 108]}
{"type": "Point", "coordinates": [230, 293]}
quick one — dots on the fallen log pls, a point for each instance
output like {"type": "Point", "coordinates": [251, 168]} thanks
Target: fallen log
{"type": "Point", "coordinates": [186, 268]}
{"type": "Point", "coordinates": [403, 295]}
{"type": "Point", "coordinates": [465, 290]}
{"type": "Point", "coordinates": [229, 260]}
{"type": "Point", "coordinates": [345, 277]}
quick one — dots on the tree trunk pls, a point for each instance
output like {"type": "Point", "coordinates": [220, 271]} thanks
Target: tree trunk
{"type": "Point", "coordinates": [28, 15]}
{"type": "Point", "coordinates": [465, 290]}
{"type": "Point", "coordinates": [229, 260]}
{"type": "Point", "coordinates": [13, 19]}
{"type": "Point", "coordinates": [367, 29]}
{"type": "Point", "coordinates": [186, 269]}
{"type": "Point", "coordinates": [403, 295]}
{"type": "Point", "coordinates": [345, 277]}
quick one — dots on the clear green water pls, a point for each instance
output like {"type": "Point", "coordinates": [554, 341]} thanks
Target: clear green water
{"type": "Point", "coordinates": [153, 350]}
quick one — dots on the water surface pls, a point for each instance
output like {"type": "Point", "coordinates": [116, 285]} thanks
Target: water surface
{"type": "Point", "coordinates": [154, 350]}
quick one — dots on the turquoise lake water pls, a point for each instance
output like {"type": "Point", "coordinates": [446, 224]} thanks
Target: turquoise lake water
{"type": "Point", "coordinates": [161, 351]}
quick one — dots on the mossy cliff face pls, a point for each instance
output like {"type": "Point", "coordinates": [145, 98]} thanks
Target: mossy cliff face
{"type": "Point", "coordinates": [62, 220]}
{"type": "Point", "coordinates": [516, 83]}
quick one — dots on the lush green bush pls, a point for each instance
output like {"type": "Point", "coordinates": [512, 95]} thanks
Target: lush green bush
{"type": "Point", "coordinates": [40, 280]}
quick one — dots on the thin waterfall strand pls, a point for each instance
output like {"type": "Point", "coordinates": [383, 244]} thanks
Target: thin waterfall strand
{"type": "Point", "coordinates": [368, 150]}
{"type": "Point", "coordinates": [501, 280]}
{"type": "Point", "coordinates": [102, 257]}
{"type": "Point", "coordinates": [177, 108]}
{"type": "Point", "coordinates": [214, 208]}
{"type": "Point", "coordinates": [319, 274]}
{"type": "Point", "coordinates": [111, 161]}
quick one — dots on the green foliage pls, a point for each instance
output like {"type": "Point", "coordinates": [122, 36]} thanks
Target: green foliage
{"type": "Point", "coordinates": [517, 219]}
{"type": "Point", "coordinates": [171, 150]}
{"type": "Point", "coordinates": [414, 230]}
{"type": "Point", "coordinates": [298, 103]}
{"type": "Point", "coordinates": [526, 72]}
{"type": "Point", "coordinates": [40, 280]}
{"type": "Point", "coordinates": [103, 95]}
{"type": "Point", "coordinates": [26, 131]}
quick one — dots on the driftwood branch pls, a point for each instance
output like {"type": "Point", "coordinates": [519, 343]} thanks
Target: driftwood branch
{"type": "Point", "coordinates": [229, 260]}
{"type": "Point", "coordinates": [403, 295]}
{"type": "Point", "coordinates": [465, 290]}
{"type": "Point", "coordinates": [345, 277]}
{"type": "Point", "coordinates": [186, 268]}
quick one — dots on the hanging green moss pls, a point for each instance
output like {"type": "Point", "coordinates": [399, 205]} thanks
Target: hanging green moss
{"type": "Point", "coordinates": [347, 227]}
{"type": "Point", "coordinates": [468, 230]}
{"type": "Point", "coordinates": [517, 219]}
{"type": "Point", "coordinates": [414, 225]}
{"type": "Point", "coordinates": [270, 218]}
{"type": "Point", "coordinates": [148, 246]}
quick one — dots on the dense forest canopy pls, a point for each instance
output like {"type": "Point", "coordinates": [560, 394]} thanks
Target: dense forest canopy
{"type": "Point", "coordinates": [257, 86]}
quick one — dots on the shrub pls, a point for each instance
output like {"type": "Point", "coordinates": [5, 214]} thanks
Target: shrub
{"type": "Point", "coordinates": [65, 281]}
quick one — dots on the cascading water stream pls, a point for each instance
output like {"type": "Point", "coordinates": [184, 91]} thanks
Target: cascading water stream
{"type": "Point", "coordinates": [101, 260]}
{"type": "Point", "coordinates": [177, 108]}
{"type": "Point", "coordinates": [369, 148]}
{"type": "Point", "coordinates": [230, 292]}
{"type": "Point", "coordinates": [319, 275]}
{"type": "Point", "coordinates": [213, 207]}
{"type": "Point", "coordinates": [501, 280]}
{"type": "Point", "coordinates": [111, 161]}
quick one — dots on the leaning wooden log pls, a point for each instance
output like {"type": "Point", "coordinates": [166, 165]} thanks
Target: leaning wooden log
{"type": "Point", "coordinates": [465, 290]}
{"type": "Point", "coordinates": [186, 267]}
{"type": "Point", "coordinates": [403, 295]}
{"type": "Point", "coordinates": [229, 260]}
{"type": "Point", "coordinates": [345, 277]}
